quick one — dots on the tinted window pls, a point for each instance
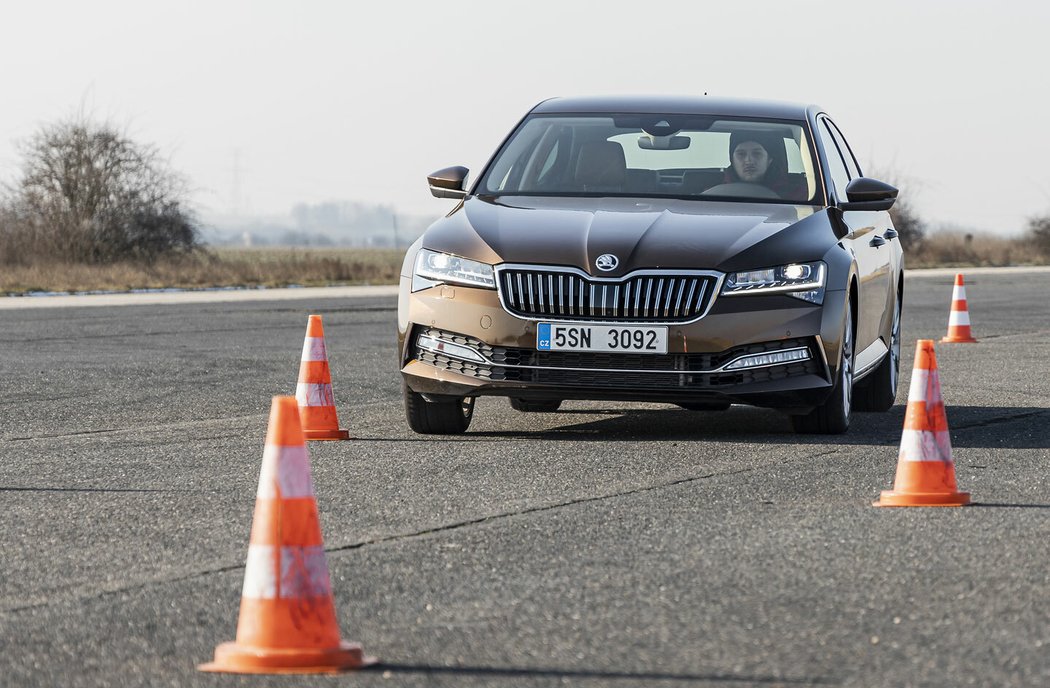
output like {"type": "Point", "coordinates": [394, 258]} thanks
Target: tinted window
{"type": "Point", "coordinates": [653, 155]}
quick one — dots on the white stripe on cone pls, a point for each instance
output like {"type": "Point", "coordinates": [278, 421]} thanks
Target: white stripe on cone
{"type": "Point", "coordinates": [959, 293]}
{"type": "Point", "coordinates": [923, 445]}
{"type": "Point", "coordinates": [314, 394]}
{"type": "Point", "coordinates": [260, 574]}
{"type": "Point", "coordinates": [925, 386]}
{"type": "Point", "coordinates": [304, 573]}
{"type": "Point", "coordinates": [314, 349]}
{"type": "Point", "coordinates": [285, 473]}
{"type": "Point", "coordinates": [958, 318]}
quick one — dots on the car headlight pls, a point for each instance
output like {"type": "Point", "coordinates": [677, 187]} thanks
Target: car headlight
{"type": "Point", "coordinates": [434, 268]}
{"type": "Point", "coordinates": [801, 280]}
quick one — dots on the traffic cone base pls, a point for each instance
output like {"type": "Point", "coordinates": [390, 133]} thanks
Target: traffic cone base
{"type": "Point", "coordinates": [891, 498]}
{"type": "Point", "coordinates": [931, 475]}
{"type": "Point", "coordinates": [327, 434]}
{"type": "Point", "coordinates": [958, 340]}
{"type": "Point", "coordinates": [243, 659]}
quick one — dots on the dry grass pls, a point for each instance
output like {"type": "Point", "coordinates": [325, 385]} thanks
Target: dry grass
{"type": "Point", "coordinates": [955, 249]}
{"type": "Point", "coordinates": [219, 267]}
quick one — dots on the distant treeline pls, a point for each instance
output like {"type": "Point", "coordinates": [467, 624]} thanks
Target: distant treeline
{"type": "Point", "coordinates": [334, 223]}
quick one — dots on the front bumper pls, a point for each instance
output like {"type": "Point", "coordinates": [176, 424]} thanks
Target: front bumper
{"type": "Point", "coordinates": [691, 371]}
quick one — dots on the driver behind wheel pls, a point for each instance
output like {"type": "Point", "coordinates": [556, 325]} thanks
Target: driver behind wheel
{"type": "Point", "coordinates": [757, 157]}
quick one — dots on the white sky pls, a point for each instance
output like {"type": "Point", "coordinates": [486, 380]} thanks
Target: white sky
{"type": "Point", "coordinates": [338, 100]}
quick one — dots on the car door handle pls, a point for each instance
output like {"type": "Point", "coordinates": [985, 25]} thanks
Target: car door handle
{"type": "Point", "coordinates": [877, 241]}
{"type": "Point", "coordinates": [890, 234]}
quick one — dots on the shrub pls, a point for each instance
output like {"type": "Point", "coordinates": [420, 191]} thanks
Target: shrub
{"type": "Point", "coordinates": [1039, 234]}
{"type": "Point", "coordinates": [89, 194]}
{"type": "Point", "coordinates": [911, 229]}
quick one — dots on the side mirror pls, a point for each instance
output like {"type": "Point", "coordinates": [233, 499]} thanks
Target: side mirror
{"type": "Point", "coordinates": [449, 182]}
{"type": "Point", "coordinates": [865, 193]}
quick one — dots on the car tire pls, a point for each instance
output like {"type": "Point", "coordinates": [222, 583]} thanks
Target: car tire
{"type": "Point", "coordinates": [704, 406]}
{"type": "Point", "coordinates": [833, 416]}
{"type": "Point", "coordinates": [878, 391]}
{"type": "Point", "coordinates": [437, 417]}
{"type": "Point", "coordinates": [530, 406]}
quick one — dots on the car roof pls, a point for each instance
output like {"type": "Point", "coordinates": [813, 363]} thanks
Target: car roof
{"type": "Point", "coordinates": [679, 105]}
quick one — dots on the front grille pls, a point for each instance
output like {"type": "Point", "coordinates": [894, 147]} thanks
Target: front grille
{"type": "Point", "coordinates": [618, 371]}
{"type": "Point", "coordinates": [643, 297]}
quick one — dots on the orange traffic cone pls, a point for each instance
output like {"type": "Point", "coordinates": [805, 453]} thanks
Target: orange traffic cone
{"type": "Point", "coordinates": [314, 390]}
{"type": "Point", "coordinates": [925, 471]}
{"type": "Point", "coordinates": [959, 318]}
{"type": "Point", "coordinates": [287, 622]}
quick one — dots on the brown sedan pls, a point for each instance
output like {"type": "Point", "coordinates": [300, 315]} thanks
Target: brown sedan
{"type": "Point", "coordinates": [695, 251]}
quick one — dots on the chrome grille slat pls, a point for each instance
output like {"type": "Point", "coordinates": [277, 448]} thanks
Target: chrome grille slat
{"type": "Point", "coordinates": [689, 301]}
{"type": "Point", "coordinates": [656, 301]}
{"type": "Point", "coordinates": [511, 294]}
{"type": "Point", "coordinates": [700, 298]}
{"type": "Point", "coordinates": [678, 303]}
{"type": "Point", "coordinates": [670, 293]}
{"type": "Point", "coordinates": [657, 296]}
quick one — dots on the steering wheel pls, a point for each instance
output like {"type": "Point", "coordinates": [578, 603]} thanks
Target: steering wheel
{"type": "Point", "coordinates": [741, 189]}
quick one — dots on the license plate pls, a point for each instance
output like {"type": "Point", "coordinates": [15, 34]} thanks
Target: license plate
{"type": "Point", "coordinates": [628, 339]}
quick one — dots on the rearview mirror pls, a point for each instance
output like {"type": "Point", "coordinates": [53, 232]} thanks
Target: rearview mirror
{"type": "Point", "coordinates": [865, 193]}
{"type": "Point", "coordinates": [664, 142]}
{"type": "Point", "coordinates": [449, 182]}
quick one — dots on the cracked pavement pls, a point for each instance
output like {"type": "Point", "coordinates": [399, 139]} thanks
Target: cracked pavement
{"type": "Point", "coordinates": [608, 544]}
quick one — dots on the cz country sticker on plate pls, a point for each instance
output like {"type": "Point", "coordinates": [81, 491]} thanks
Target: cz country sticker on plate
{"type": "Point", "coordinates": [607, 337]}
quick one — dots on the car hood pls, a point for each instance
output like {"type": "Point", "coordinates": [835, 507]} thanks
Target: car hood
{"type": "Point", "coordinates": [641, 233]}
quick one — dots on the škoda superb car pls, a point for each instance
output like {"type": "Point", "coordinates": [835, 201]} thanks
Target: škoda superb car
{"type": "Point", "coordinates": [696, 251]}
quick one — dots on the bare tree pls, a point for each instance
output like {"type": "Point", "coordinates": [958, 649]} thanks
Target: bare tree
{"type": "Point", "coordinates": [1039, 234]}
{"type": "Point", "coordinates": [88, 193]}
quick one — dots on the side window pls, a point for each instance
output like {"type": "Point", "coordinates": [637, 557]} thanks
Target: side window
{"type": "Point", "coordinates": [836, 167]}
{"type": "Point", "coordinates": [852, 166]}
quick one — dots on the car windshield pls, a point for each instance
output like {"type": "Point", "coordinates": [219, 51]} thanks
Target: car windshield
{"type": "Point", "coordinates": [647, 155]}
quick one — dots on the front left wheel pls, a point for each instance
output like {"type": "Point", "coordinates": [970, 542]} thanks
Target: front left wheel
{"type": "Point", "coordinates": [833, 416]}
{"type": "Point", "coordinates": [446, 417]}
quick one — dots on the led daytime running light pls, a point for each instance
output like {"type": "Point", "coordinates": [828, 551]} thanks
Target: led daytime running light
{"type": "Point", "coordinates": [440, 346]}
{"type": "Point", "coordinates": [769, 359]}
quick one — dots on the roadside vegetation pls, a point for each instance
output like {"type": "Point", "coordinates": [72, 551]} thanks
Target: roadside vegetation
{"type": "Point", "coordinates": [93, 210]}
{"type": "Point", "coordinates": [204, 268]}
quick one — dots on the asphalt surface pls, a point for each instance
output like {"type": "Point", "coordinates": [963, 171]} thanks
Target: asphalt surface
{"type": "Point", "coordinates": [609, 544]}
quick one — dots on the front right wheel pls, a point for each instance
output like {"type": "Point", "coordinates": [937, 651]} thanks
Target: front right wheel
{"type": "Point", "coordinates": [832, 417]}
{"type": "Point", "coordinates": [445, 417]}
